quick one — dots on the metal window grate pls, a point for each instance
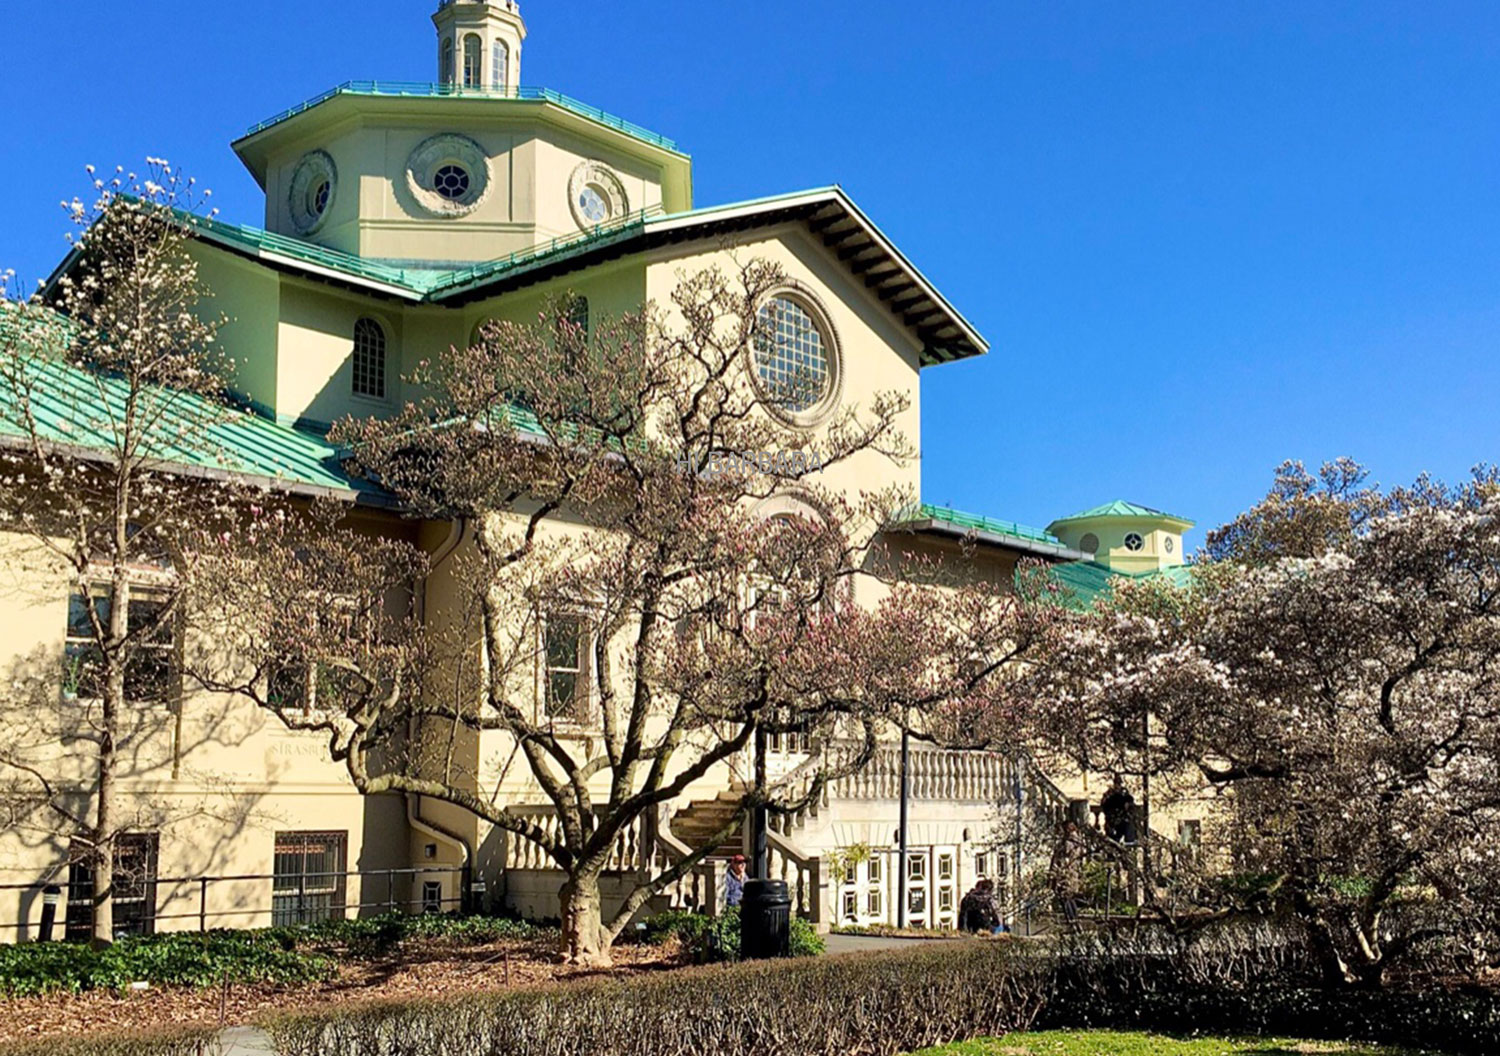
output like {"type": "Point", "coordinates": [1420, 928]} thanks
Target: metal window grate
{"type": "Point", "coordinates": [369, 359]}
{"type": "Point", "coordinates": [308, 877]}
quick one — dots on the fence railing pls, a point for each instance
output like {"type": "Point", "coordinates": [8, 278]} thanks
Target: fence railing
{"type": "Point", "coordinates": [254, 899]}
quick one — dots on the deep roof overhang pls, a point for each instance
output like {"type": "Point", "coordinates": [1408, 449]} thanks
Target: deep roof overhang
{"type": "Point", "coordinates": [1030, 547]}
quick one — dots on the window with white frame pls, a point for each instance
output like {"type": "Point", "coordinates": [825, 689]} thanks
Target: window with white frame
{"type": "Point", "coordinates": [945, 867]}
{"type": "Point", "coordinates": [499, 65]}
{"type": "Point", "coordinates": [473, 75]}
{"type": "Point", "coordinates": [873, 903]}
{"type": "Point", "coordinates": [875, 864]}
{"type": "Point", "coordinates": [565, 655]}
{"type": "Point", "coordinates": [916, 866]}
{"type": "Point", "coordinates": [851, 905]}
{"type": "Point", "coordinates": [369, 359]}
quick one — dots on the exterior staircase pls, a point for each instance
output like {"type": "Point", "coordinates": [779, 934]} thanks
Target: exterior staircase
{"type": "Point", "coordinates": [697, 823]}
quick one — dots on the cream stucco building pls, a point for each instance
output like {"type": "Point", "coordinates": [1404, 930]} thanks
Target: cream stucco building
{"type": "Point", "coordinates": [399, 218]}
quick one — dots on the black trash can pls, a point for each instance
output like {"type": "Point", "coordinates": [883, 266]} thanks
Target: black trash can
{"type": "Point", "coordinates": [765, 920]}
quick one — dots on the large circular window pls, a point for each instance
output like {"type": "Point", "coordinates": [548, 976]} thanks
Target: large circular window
{"type": "Point", "coordinates": [313, 186]}
{"type": "Point", "coordinates": [448, 175]}
{"type": "Point", "coordinates": [795, 363]}
{"type": "Point", "coordinates": [596, 195]}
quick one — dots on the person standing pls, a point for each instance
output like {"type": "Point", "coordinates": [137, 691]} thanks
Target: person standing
{"type": "Point", "coordinates": [734, 882]}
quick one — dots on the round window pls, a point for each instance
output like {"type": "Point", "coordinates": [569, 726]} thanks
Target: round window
{"type": "Point", "coordinates": [1089, 544]}
{"type": "Point", "coordinates": [791, 357]}
{"type": "Point", "coordinates": [1133, 542]}
{"type": "Point", "coordinates": [593, 204]}
{"type": "Point", "coordinates": [451, 181]}
{"type": "Point", "coordinates": [448, 175]}
{"type": "Point", "coordinates": [314, 184]}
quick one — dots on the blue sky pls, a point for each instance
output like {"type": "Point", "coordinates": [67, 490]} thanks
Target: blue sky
{"type": "Point", "coordinates": [1201, 238]}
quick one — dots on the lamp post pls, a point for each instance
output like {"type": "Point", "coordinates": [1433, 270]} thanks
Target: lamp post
{"type": "Point", "coordinates": [901, 832]}
{"type": "Point", "coordinates": [760, 867]}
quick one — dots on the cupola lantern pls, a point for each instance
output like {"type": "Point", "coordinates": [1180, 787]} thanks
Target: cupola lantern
{"type": "Point", "coordinates": [479, 44]}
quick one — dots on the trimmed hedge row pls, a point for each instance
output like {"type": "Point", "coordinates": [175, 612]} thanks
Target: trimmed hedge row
{"type": "Point", "coordinates": [183, 1041]}
{"type": "Point", "coordinates": [862, 1005]}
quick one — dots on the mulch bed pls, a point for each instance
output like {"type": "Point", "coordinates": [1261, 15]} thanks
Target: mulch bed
{"type": "Point", "coordinates": [417, 969]}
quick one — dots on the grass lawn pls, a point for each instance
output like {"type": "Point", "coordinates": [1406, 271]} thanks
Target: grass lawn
{"type": "Point", "coordinates": [1108, 1043]}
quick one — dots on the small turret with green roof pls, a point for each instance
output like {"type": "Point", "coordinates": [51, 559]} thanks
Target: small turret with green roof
{"type": "Point", "coordinates": [1125, 537]}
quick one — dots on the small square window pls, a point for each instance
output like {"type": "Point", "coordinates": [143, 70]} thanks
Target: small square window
{"type": "Point", "coordinates": [916, 866]}
{"type": "Point", "coordinates": [916, 901]}
{"type": "Point", "coordinates": [432, 896]}
{"type": "Point", "coordinates": [945, 867]}
{"type": "Point", "coordinates": [945, 900]}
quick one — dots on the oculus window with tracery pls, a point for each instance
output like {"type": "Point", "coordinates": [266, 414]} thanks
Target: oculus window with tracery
{"type": "Point", "coordinates": [451, 181]}
{"type": "Point", "coordinates": [791, 360]}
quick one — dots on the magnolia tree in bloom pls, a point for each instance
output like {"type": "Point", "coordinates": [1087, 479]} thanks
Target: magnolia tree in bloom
{"type": "Point", "coordinates": [108, 383]}
{"type": "Point", "coordinates": [1331, 678]}
{"type": "Point", "coordinates": [651, 577]}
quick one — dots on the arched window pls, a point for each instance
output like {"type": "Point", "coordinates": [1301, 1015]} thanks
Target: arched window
{"type": "Point", "coordinates": [446, 63]}
{"type": "Point", "coordinates": [499, 65]}
{"type": "Point", "coordinates": [369, 359]}
{"type": "Point", "coordinates": [473, 76]}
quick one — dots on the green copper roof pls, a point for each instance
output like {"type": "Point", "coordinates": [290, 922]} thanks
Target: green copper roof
{"type": "Point", "coordinates": [1085, 582]}
{"type": "Point", "coordinates": [429, 284]}
{"type": "Point", "coordinates": [1121, 508]}
{"type": "Point", "coordinates": [414, 90]}
{"type": "Point", "coordinates": [974, 522]}
{"type": "Point", "coordinates": [81, 408]}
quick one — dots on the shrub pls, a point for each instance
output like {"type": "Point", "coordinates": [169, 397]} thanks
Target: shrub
{"type": "Point", "coordinates": [713, 939]}
{"type": "Point", "coordinates": [172, 959]}
{"type": "Point", "coordinates": [296, 954]}
{"type": "Point", "coordinates": [878, 1004]}
{"type": "Point", "coordinates": [172, 1041]}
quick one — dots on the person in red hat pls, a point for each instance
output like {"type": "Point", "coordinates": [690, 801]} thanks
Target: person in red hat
{"type": "Point", "coordinates": [734, 882]}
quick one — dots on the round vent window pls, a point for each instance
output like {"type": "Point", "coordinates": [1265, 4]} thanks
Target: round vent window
{"type": "Point", "coordinates": [596, 195]}
{"type": "Point", "coordinates": [314, 184]}
{"type": "Point", "coordinates": [448, 175]}
{"type": "Point", "coordinates": [1168, 545]}
{"type": "Point", "coordinates": [1089, 544]}
{"type": "Point", "coordinates": [452, 182]}
{"type": "Point", "coordinates": [1134, 542]}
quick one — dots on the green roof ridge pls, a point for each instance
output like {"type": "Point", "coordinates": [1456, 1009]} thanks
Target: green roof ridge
{"type": "Point", "coordinates": [975, 522]}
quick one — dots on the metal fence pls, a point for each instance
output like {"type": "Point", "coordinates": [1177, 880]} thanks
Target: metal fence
{"type": "Point", "coordinates": [199, 903]}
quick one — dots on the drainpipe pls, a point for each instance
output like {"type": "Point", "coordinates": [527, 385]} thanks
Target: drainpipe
{"type": "Point", "coordinates": [450, 544]}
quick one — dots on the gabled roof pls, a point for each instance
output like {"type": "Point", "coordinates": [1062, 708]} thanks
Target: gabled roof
{"type": "Point", "coordinates": [1121, 508]}
{"type": "Point", "coordinates": [828, 213]}
{"type": "Point", "coordinates": [77, 409]}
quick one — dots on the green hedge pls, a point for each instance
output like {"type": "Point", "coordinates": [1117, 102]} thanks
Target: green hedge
{"type": "Point", "coordinates": [182, 1041]}
{"type": "Point", "coordinates": [269, 955]}
{"type": "Point", "coordinates": [709, 940]}
{"type": "Point", "coordinates": [877, 1004]}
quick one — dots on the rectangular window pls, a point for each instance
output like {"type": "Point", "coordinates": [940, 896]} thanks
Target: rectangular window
{"type": "Point", "coordinates": [916, 903]}
{"type": "Point", "coordinates": [874, 903]}
{"type": "Point", "coordinates": [566, 684]}
{"type": "Point", "coordinates": [851, 905]}
{"type": "Point", "coordinates": [916, 866]}
{"type": "Point", "coordinates": [1190, 832]}
{"type": "Point", "coordinates": [150, 671]}
{"type": "Point", "coordinates": [432, 896]}
{"type": "Point", "coordinates": [134, 888]}
{"type": "Point", "coordinates": [981, 865]}
{"type": "Point", "coordinates": [945, 867]}
{"type": "Point", "coordinates": [876, 864]}
{"type": "Point", "coordinates": [945, 900]}
{"type": "Point", "coordinates": [309, 877]}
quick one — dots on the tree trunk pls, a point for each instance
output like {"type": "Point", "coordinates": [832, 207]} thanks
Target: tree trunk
{"type": "Point", "coordinates": [111, 705]}
{"type": "Point", "coordinates": [584, 940]}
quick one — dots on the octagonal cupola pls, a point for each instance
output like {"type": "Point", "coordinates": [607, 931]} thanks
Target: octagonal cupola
{"type": "Point", "coordinates": [479, 44]}
{"type": "Point", "coordinates": [1125, 537]}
